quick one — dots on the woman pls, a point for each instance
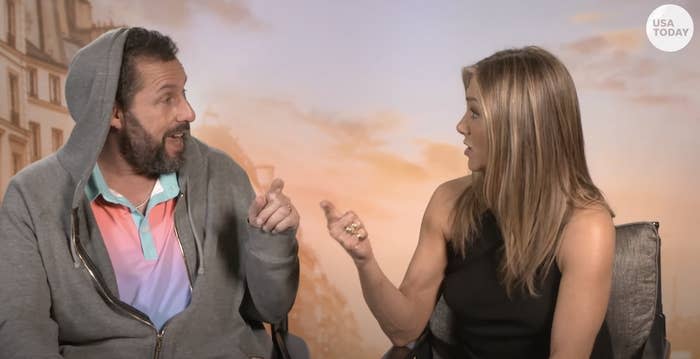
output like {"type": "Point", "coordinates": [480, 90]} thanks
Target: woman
{"type": "Point", "coordinates": [522, 249]}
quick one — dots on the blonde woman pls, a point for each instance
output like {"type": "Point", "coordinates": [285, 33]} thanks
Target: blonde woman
{"type": "Point", "coordinates": [522, 249]}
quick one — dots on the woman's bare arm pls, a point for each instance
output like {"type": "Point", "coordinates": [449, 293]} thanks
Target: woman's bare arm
{"type": "Point", "coordinates": [403, 312]}
{"type": "Point", "coordinates": [585, 259]}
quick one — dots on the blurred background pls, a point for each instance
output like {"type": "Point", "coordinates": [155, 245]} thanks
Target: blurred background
{"type": "Point", "coordinates": [357, 102]}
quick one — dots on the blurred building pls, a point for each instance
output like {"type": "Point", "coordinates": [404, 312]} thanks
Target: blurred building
{"type": "Point", "coordinates": [321, 314]}
{"type": "Point", "coordinates": [38, 38]}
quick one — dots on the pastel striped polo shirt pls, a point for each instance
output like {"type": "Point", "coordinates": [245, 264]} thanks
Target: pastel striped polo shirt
{"type": "Point", "coordinates": [146, 254]}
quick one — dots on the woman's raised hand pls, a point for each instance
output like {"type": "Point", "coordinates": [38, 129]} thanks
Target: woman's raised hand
{"type": "Point", "coordinates": [348, 230]}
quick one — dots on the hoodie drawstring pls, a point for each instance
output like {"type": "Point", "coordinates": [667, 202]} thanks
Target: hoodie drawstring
{"type": "Point", "coordinates": [73, 235]}
{"type": "Point", "coordinates": [197, 241]}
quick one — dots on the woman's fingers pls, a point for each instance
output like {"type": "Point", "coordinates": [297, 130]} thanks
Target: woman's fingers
{"type": "Point", "coordinates": [348, 230]}
{"type": "Point", "coordinates": [329, 210]}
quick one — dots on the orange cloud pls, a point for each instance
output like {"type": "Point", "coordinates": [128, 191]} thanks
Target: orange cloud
{"type": "Point", "coordinates": [444, 161]}
{"type": "Point", "coordinates": [320, 155]}
{"type": "Point", "coordinates": [389, 166]}
{"type": "Point", "coordinates": [660, 100]}
{"type": "Point", "coordinates": [612, 84]}
{"type": "Point", "coordinates": [619, 62]}
{"type": "Point", "coordinates": [179, 12]}
{"type": "Point", "coordinates": [627, 40]}
{"type": "Point", "coordinates": [350, 133]}
{"type": "Point", "coordinates": [230, 11]}
{"type": "Point", "coordinates": [587, 18]}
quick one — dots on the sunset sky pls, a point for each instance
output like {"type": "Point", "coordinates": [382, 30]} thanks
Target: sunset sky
{"type": "Point", "coordinates": [357, 102]}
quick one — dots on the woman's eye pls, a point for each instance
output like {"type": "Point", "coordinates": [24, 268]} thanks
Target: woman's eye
{"type": "Point", "coordinates": [474, 115]}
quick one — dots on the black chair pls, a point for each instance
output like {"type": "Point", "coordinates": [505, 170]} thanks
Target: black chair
{"type": "Point", "coordinates": [634, 317]}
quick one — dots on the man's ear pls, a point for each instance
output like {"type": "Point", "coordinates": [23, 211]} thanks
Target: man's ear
{"type": "Point", "coordinates": [115, 120]}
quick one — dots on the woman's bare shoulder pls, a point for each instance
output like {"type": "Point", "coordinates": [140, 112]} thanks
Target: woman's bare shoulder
{"type": "Point", "coordinates": [453, 188]}
{"type": "Point", "coordinates": [444, 199]}
{"type": "Point", "coordinates": [594, 215]}
{"type": "Point", "coordinates": [588, 234]}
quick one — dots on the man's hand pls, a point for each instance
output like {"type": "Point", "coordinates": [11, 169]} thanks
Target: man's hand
{"type": "Point", "coordinates": [273, 211]}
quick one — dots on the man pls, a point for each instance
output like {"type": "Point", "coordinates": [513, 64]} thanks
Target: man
{"type": "Point", "coordinates": [136, 240]}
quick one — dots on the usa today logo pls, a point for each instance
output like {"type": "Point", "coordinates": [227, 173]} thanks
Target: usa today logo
{"type": "Point", "coordinates": [669, 28]}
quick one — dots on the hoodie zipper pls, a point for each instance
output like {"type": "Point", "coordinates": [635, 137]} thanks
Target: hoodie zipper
{"type": "Point", "coordinates": [89, 266]}
{"type": "Point", "coordinates": [159, 336]}
{"type": "Point", "coordinates": [159, 344]}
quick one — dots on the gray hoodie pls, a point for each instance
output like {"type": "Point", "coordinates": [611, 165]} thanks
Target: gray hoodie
{"type": "Point", "coordinates": [58, 292]}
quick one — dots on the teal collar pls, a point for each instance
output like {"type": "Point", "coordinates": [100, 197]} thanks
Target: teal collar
{"type": "Point", "coordinates": [166, 188]}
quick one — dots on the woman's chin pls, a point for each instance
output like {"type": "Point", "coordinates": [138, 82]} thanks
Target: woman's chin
{"type": "Point", "coordinates": [473, 167]}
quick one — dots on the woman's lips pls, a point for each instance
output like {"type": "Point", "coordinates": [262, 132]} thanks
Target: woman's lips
{"type": "Point", "coordinates": [468, 150]}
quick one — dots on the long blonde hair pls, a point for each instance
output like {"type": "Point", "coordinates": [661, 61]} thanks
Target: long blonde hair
{"type": "Point", "coordinates": [536, 171]}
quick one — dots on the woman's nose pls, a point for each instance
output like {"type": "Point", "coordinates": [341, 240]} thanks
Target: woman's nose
{"type": "Point", "coordinates": [462, 126]}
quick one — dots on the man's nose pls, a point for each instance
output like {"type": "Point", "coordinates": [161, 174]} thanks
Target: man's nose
{"type": "Point", "coordinates": [186, 113]}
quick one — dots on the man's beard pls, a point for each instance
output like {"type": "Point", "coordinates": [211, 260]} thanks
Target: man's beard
{"type": "Point", "coordinates": [144, 153]}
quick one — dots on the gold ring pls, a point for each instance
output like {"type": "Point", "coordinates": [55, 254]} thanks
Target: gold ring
{"type": "Point", "coordinates": [360, 236]}
{"type": "Point", "coordinates": [349, 229]}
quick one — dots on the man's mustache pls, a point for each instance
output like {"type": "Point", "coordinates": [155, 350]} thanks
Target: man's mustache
{"type": "Point", "coordinates": [185, 128]}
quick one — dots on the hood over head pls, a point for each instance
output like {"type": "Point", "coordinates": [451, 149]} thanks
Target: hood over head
{"type": "Point", "coordinates": [91, 88]}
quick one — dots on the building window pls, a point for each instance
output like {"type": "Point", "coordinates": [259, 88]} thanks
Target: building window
{"type": "Point", "coordinates": [36, 140]}
{"type": "Point", "coordinates": [11, 23]}
{"type": "Point", "coordinates": [14, 99]}
{"type": "Point", "coordinates": [33, 82]}
{"type": "Point", "coordinates": [56, 139]}
{"type": "Point", "coordinates": [2, 157]}
{"type": "Point", "coordinates": [18, 153]}
{"type": "Point", "coordinates": [17, 162]}
{"type": "Point", "coordinates": [55, 89]}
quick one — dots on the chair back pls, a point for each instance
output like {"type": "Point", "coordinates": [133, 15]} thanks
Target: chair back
{"type": "Point", "coordinates": [635, 315]}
